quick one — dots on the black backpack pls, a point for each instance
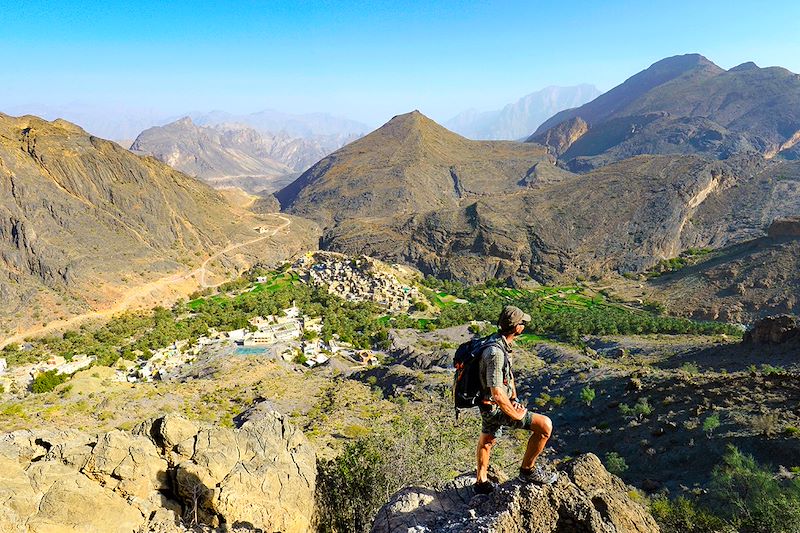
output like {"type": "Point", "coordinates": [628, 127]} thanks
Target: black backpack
{"type": "Point", "coordinates": [467, 389]}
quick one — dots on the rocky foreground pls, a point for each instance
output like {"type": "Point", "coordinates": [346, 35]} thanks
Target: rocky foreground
{"type": "Point", "coordinates": [166, 474]}
{"type": "Point", "coordinates": [585, 499]}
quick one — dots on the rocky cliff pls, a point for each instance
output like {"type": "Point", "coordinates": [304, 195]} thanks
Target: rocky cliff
{"type": "Point", "coordinates": [166, 474]}
{"type": "Point", "coordinates": [586, 499]}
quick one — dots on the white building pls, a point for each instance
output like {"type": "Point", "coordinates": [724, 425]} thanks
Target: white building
{"type": "Point", "coordinates": [3, 365]}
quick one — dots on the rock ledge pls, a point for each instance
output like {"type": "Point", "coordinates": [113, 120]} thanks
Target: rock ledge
{"type": "Point", "coordinates": [585, 499]}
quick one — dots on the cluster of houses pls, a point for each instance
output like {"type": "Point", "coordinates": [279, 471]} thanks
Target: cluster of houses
{"type": "Point", "coordinates": [358, 279]}
{"type": "Point", "coordinates": [23, 375]}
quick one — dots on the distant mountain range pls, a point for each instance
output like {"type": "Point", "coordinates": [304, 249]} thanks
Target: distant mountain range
{"type": "Point", "coordinates": [305, 125]}
{"type": "Point", "coordinates": [123, 122]}
{"type": "Point", "coordinates": [519, 120]}
{"type": "Point", "coordinates": [681, 105]}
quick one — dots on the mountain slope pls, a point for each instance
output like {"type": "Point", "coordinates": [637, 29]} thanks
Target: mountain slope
{"type": "Point", "coordinates": [739, 283]}
{"type": "Point", "coordinates": [409, 165]}
{"type": "Point", "coordinates": [520, 119]}
{"type": "Point", "coordinates": [681, 105]}
{"type": "Point", "coordinates": [83, 220]}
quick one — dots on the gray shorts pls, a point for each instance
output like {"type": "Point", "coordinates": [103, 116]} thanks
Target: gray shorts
{"type": "Point", "coordinates": [493, 420]}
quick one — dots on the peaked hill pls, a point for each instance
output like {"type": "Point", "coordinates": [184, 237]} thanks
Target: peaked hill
{"type": "Point", "coordinates": [681, 105]}
{"type": "Point", "coordinates": [407, 166]}
{"type": "Point", "coordinates": [84, 222]}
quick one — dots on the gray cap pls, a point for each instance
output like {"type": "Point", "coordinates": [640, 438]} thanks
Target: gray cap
{"type": "Point", "coordinates": [512, 316]}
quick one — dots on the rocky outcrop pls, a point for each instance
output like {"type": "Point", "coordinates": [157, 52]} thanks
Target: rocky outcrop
{"type": "Point", "coordinates": [786, 227]}
{"type": "Point", "coordinates": [779, 329]}
{"type": "Point", "coordinates": [560, 138]}
{"type": "Point", "coordinates": [165, 474]}
{"type": "Point", "coordinates": [585, 499]}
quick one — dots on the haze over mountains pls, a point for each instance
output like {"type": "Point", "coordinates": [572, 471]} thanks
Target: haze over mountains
{"type": "Point", "coordinates": [518, 120]}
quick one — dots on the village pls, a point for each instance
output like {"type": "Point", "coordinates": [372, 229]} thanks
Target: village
{"type": "Point", "coordinates": [359, 279]}
{"type": "Point", "coordinates": [290, 336]}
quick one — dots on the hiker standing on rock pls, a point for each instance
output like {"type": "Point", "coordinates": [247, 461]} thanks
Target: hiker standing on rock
{"type": "Point", "coordinates": [501, 408]}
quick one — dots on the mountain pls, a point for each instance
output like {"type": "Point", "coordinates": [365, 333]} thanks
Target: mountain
{"type": "Point", "coordinates": [220, 156]}
{"type": "Point", "coordinates": [520, 119]}
{"type": "Point", "coordinates": [85, 222]}
{"type": "Point", "coordinates": [681, 105]}
{"type": "Point", "coordinates": [473, 210]}
{"type": "Point", "coordinates": [409, 165]}
{"type": "Point", "coordinates": [295, 125]}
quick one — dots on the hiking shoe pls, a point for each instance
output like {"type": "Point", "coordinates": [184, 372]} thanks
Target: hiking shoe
{"type": "Point", "coordinates": [485, 487]}
{"type": "Point", "coordinates": [538, 475]}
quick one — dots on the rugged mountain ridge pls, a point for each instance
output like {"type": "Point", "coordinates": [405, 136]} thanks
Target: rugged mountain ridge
{"type": "Point", "coordinates": [681, 105]}
{"type": "Point", "coordinates": [740, 283]}
{"type": "Point", "coordinates": [406, 192]}
{"type": "Point", "coordinates": [520, 119]}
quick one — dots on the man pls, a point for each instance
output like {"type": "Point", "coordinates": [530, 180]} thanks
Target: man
{"type": "Point", "coordinates": [501, 407]}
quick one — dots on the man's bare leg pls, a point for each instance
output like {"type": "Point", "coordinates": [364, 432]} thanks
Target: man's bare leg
{"type": "Point", "coordinates": [541, 428]}
{"type": "Point", "coordinates": [485, 443]}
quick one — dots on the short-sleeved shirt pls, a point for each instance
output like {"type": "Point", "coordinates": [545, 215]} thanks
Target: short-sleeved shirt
{"type": "Point", "coordinates": [494, 371]}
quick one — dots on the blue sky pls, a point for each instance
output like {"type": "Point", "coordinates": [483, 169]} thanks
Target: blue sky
{"type": "Point", "coordinates": [363, 60]}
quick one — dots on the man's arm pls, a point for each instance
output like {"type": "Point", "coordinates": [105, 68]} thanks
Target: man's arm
{"type": "Point", "coordinates": [515, 410]}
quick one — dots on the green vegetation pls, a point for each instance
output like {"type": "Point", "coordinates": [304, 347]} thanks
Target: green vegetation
{"type": "Point", "coordinates": [47, 381]}
{"type": "Point", "coordinates": [688, 257]}
{"type": "Point", "coordinates": [743, 496]}
{"type": "Point", "coordinates": [710, 424]}
{"type": "Point", "coordinates": [567, 313]}
{"type": "Point", "coordinates": [587, 395]}
{"type": "Point", "coordinates": [419, 448]}
{"type": "Point", "coordinates": [615, 463]}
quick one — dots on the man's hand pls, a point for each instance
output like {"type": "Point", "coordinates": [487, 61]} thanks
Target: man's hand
{"type": "Point", "coordinates": [515, 411]}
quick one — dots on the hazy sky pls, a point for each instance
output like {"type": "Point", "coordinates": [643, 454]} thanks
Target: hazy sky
{"type": "Point", "coordinates": [363, 60]}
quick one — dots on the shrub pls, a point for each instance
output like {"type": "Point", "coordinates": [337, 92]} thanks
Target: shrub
{"type": "Point", "coordinates": [587, 395]}
{"type": "Point", "coordinates": [751, 498]}
{"type": "Point", "coordinates": [710, 424]}
{"type": "Point", "coordinates": [766, 424]}
{"type": "Point", "coordinates": [684, 516]}
{"type": "Point", "coordinates": [690, 368]}
{"type": "Point", "coordinates": [615, 463]}
{"type": "Point", "coordinates": [47, 381]}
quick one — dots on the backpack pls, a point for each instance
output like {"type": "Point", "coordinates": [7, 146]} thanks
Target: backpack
{"type": "Point", "coordinates": [467, 389]}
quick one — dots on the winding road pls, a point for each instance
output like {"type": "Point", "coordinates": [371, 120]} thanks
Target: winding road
{"type": "Point", "coordinates": [136, 293]}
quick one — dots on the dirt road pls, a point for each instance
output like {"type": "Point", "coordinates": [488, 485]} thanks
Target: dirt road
{"type": "Point", "coordinates": [136, 294]}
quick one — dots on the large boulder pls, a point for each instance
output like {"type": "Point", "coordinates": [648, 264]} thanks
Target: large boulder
{"type": "Point", "coordinates": [778, 329]}
{"type": "Point", "coordinates": [785, 227]}
{"type": "Point", "coordinates": [260, 476]}
{"type": "Point", "coordinates": [585, 499]}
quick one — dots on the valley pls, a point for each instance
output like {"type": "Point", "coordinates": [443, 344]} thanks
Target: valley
{"type": "Point", "coordinates": [248, 321]}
